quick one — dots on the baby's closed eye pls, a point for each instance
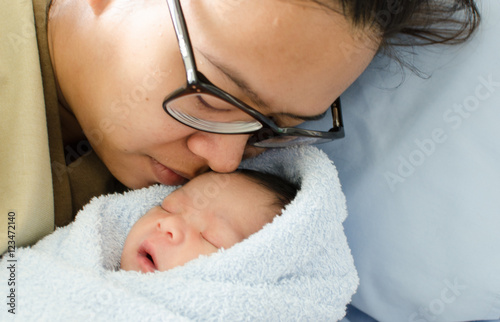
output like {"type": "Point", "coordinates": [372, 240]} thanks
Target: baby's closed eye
{"type": "Point", "coordinates": [208, 240]}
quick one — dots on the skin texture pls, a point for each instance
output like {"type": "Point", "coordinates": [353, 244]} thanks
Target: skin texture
{"type": "Point", "coordinates": [115, 62]}
{"type": "Point", "coordinates": [208, 213]}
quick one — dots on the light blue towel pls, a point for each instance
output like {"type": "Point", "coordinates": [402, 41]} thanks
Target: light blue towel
{"type": "Point", "coordinates": [299, 267]}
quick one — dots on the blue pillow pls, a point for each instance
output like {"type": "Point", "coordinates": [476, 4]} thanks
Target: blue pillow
{"type": "Point", "coordinates": [420, 167]}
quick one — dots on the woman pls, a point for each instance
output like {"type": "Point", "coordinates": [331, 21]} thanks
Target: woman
{"type": "Point", "coordinates": [110, 72]}
{"type": "Point", "coordinates": [276, 60]}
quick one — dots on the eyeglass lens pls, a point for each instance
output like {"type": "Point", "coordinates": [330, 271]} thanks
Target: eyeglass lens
{"type": "Point", "coordinates": [209, 113]}
{"type": "Point", "coordinates": [265, 138]}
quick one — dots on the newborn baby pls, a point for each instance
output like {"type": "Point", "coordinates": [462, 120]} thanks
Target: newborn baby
{"type": "Point", "coordinates": [299, 267]}
{"type": "Point", "coordinates": [210, 212]}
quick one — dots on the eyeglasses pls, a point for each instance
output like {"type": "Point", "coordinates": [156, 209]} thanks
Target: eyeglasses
{"type": "Point", "coordinates": [203, 106]}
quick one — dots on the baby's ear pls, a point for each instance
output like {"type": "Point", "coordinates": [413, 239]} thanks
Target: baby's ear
{"type": "Point", "coordinates": [99, 6]}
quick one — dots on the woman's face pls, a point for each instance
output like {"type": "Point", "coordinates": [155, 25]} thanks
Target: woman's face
{"type": "Point", "coordinates": [120, 59]}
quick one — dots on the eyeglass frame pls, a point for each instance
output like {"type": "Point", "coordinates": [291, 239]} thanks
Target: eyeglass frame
{"type": "Point", "coordinates": [197, 83]}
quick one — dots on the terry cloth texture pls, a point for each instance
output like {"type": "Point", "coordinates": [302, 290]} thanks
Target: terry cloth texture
{"type": "Point", "coordinates": [299, 267]}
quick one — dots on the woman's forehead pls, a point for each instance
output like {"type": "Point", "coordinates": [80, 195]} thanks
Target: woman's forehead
{"type": "Point", "coordinates": [295, 57]}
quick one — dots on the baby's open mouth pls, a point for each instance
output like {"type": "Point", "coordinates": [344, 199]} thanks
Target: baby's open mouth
{"type": "Point", "coordinates": [146, 259]}
{"type": "Point", "coordinates": [148, 256]}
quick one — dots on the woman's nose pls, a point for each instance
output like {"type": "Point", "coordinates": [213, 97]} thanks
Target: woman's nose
{"type": "Point", "coordinates": [223, 152]}
{"type": "Point", "coordinates": [174, 228]}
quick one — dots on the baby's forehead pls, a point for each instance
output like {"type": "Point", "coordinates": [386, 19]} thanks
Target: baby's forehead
{"type": "Point", "coordinates": [223, 180]}
{"type": "Point", "coordinates": [237, 185]}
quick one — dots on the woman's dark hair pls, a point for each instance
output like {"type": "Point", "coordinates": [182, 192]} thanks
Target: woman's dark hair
{"type": "Point", "coordinates": [284, 190]}
{"type": "Point", "coordinates": [412, 22]}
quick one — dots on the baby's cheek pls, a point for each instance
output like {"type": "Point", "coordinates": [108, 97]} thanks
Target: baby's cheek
{"type": "Point", "coordinates": [194, 253]}
{"type": "Point", "coordinates": [125, 262]}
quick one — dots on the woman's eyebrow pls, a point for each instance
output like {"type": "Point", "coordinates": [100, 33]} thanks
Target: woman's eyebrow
{"type": "Point", "coordinates": [254, 97]}
{"type": "Point", "coordinates": [236, 79]}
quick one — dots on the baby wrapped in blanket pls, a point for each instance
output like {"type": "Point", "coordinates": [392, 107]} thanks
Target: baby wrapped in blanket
{"type": "Point", "coordinates": [297, 268]}
{"type": "Point", "coordinates": [211, 212]}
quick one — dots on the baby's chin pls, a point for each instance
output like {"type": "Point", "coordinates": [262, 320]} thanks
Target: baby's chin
{"type": "Point", "coordinates": [129, 268]}
{"type": "Point", "coordinates": [127, 265]}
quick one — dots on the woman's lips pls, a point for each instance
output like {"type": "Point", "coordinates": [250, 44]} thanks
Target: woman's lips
{"type": "Point", "coordinates": [165, 175]}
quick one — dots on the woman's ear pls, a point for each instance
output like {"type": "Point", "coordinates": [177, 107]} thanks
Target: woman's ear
{"type": "Point", "coordinates": [99, 6]}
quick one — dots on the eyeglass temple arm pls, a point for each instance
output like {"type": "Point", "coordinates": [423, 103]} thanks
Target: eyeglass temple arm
{"type": "Point", "coordinates": [185, 47]}
{"type": "Point", "coordinates": [338, 124]}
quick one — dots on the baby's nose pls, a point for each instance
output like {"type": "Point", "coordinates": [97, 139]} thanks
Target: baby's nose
{"type": "Point", "coordinates": [173, 228]}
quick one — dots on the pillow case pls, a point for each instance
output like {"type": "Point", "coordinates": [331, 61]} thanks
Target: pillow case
{"type": "Point", "coordinates": [420, 168]}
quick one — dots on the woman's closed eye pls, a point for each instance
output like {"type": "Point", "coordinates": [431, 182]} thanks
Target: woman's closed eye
{"type": "Point", "coordinates": [204, 102]}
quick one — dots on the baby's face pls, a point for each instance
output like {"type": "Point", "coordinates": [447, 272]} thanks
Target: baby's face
{"type": "Point", "coordinates": [210, 212]}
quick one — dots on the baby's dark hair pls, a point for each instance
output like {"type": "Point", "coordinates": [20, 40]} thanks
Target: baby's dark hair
{"type": "Point", "coordinates": [284, 190]}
